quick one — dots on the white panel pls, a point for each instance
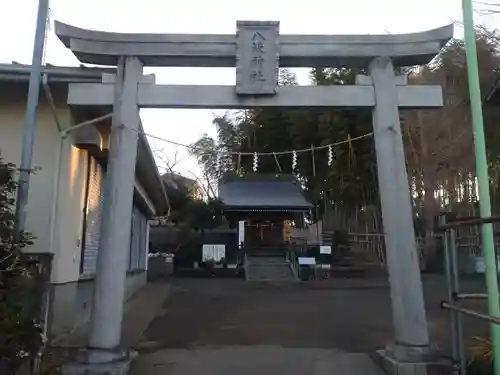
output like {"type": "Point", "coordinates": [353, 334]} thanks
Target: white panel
{"type": "Point", "coordinates": [241, 232]}
{"type": "Point", "coordinates": [307, 261]}
{"type": "Point", "coordinates": [325, 249]}
{"type": "Point", "coordinates": [213, 252]}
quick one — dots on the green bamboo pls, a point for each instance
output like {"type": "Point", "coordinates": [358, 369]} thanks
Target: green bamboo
{"type": "Point", "coordinates": [488, 244]}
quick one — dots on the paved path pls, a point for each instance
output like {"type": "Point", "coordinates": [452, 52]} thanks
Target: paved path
{"type": "Point", "coordinates": [254, 360]}
{"type": "Point", "coordinates": [235, 327]}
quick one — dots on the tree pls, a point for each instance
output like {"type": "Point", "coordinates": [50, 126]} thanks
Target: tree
{"type": "Point", "coordinates": [20, 337]}
{"type": "Point", "coordinates": [440, 144]}
{"type": "Point", "coordinates": [190, 213]}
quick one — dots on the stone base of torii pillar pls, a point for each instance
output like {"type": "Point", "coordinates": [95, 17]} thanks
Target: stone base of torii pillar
{"type": "Point", "coordinates": [428, 362]}
{"type": "Point", "coordinates": [96, 362]}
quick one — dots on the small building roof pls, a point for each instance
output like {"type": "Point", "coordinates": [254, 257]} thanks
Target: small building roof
{"type": "Point", "coordinates": [269, 194]}
{"type": "Point", "coordinates": [178, 181]}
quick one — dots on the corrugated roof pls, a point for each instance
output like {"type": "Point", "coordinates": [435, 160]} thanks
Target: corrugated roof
{"type": "Point", "coordinates": [267, 193]}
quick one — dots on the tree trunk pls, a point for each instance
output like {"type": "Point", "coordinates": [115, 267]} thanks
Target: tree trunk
{"type": "Point", "coordinates": [429, 214]}
{"type": "Point", "coordinates": [429, 204]}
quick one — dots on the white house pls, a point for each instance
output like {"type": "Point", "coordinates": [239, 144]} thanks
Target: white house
{"type": "Point", "coordinates": [66, 191]}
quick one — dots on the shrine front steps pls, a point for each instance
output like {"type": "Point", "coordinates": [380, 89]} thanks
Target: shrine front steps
{"type": "Point", "coordinates": [269, 269]}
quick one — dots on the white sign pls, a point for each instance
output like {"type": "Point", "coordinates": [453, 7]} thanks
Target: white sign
{"type": "Point", "coordinates": [241, 232]}
{"type": "Point", "coordinates": [213, 252]}
{"type": "Point", "coordinates": [325, 249]}
{"type": "Point", "coordinates": [480, 266]}
{"type": "Point", "coordinates": [307, 261]}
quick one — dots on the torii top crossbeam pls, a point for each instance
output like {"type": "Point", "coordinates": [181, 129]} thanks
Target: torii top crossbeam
{"type": "Point", "coordinates": [217, 50]}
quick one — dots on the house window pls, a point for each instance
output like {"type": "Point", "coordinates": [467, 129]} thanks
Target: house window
{"type": "Point", "coordinates": [92, 216]}
{"type": "Point", "coordinates": [138, 240]}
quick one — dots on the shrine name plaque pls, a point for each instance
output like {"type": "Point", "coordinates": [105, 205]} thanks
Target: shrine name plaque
{"type": "Point", "coordinates": [257, 57]}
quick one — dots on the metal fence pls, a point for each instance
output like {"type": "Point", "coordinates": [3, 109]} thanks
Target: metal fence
{"type": "Point", "coordinates": [452, 247]}
{"type": "Point", "coordinates": [371, 246]}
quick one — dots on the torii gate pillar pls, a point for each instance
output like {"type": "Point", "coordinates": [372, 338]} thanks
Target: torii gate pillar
{"type": "Point", "coordinates": [408, 307]}
{"type": "Point", "coordinates": [104, 355]}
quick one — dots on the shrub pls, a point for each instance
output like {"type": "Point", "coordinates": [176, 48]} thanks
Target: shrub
{"type": "Point", "coordinates": [481, 361]}
{"type": "Point", "coordinates": [20, 331]}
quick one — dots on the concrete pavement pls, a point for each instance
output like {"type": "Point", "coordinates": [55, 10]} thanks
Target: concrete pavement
{"type": "Point", "coordinates": [216, 326]}
{"type": "Point", "coordinates": [252, 360]}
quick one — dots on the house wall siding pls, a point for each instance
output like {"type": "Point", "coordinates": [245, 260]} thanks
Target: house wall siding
{"type": "Point", "coordinates": [72, 305]}
{"type": "Point", "coordinates": [65, 241]}
{"type": "Point", "coordinates": [12, 113]}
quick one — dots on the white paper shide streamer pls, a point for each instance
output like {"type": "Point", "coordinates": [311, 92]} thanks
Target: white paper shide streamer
{"type": "Point", "coordinates": [218, 162]}
{"type": "Point", "coordinates": [255, 162]}
{"type": "Point", "coordinates": [294, 160]}
{"type": "Point", "coordinates": [330, 156]}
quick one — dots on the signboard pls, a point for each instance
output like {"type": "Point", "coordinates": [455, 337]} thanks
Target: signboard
{"type": "Point", "coordinates": [213, 252]}
{"type": "Point", "coordinates": [257, 57]}
{"type": "Point", "coordinates": [307, 261]}
{"type": "Point", "coordinates": [325, 249]}
{"type": "Point", "coordinates": [480, 266]}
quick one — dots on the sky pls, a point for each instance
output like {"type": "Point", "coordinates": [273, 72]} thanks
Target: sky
{"type": "Point", "coordinates": [17, 26]}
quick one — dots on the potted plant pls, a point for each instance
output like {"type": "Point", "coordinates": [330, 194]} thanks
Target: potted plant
{"type": "Point", "coordinates": [210, 266]}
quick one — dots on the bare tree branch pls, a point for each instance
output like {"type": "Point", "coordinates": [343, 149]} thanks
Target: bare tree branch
{"type": "Point", "coordinates": [167, 164]}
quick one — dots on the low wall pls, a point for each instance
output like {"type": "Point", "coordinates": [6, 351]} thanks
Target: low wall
{"type": "Point", "coordinates": [71, 303]}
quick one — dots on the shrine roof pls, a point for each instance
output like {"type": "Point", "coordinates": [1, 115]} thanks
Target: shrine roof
{"type": "Point", "coordinates": [273, 194]}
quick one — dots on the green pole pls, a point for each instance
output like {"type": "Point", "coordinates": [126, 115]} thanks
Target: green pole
{"type": "Point", "coordinates": [482, 177]}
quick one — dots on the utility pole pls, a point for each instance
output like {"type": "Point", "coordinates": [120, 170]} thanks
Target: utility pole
{"type": "Point", "coordinates": [30, 118]}
{"type": "Point", "coordinates": [488, 244]}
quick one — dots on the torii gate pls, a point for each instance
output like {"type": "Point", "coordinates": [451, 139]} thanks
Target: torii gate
{"type": "Point", "coordinates": [257, 50]}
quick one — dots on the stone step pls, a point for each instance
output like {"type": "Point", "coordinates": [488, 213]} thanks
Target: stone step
{"type": "Point", "coordinates": [271, 261]}
{"type": "Point", "coordinates": [269, 270]}
{"type": "Point", "coordinates": [266, 254]}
